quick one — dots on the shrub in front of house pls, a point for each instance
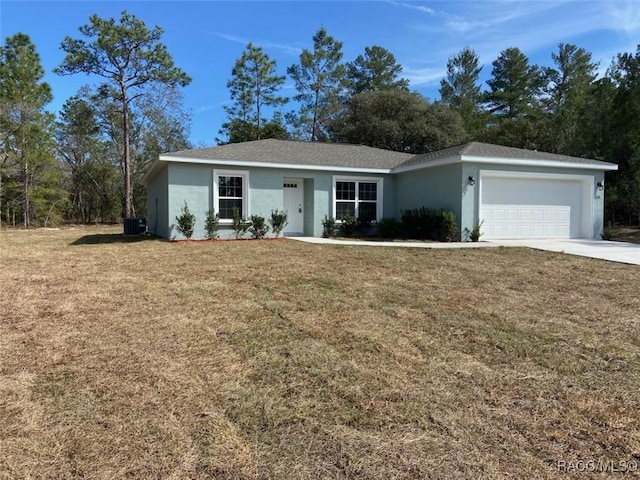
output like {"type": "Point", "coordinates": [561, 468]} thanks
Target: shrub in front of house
{"type": "Point", "coordinates": [278, 221]}
{"type": "Point", "coordinates": [211, 225]}
{"type": "Point", "coordinates": [186, 221]}
{"type": "Point", "coordinates": [389, 228]}
{"type": "Point", "coordinates": [365, 226]}
{"type": "Point", "coordinates": [328, 226]}
{"type": "Point", "coordinates": [239, 224]}
{"type": "Point", "coordinates": [347, 226]}
{"type": "Point", "coordinates": [476, 232]}
{"type": "Point", "coordinates": [258, 226]}
{"type": "Point", "coordinates": [448, 225]}
{"type": "Point", "coordinates": [429, 223]}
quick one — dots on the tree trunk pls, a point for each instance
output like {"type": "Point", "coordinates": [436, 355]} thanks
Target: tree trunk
{"type": "Point", "coordinates": [314, 132]}
{"type": "Point", "coordinates": [127, 154]}
{"type": "Point", "coordinates": [25, 202]}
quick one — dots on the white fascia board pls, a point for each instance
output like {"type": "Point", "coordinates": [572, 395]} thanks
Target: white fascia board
{"type": "Point", "coordinates": [284, 166]}
{"type": "Point", "coordinates": [505, 161]}
{"type": "Point", "coordinates": [154, 167]}
{"type": "Point", "coordinates": [539, 163]}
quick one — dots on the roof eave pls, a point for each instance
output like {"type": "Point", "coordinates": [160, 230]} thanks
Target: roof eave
{"type": "Point", "coordinates": [540, 163]}
{"type": "Point", "coordinates": [506, 161]}
{"type": "Point", "coordinates": [294, 166]}
{"type": "Point", "coordinates": [151, 171]}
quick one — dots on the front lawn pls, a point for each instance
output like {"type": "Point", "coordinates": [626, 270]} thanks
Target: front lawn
{"type": "Point", "coordinates": [278, 359]}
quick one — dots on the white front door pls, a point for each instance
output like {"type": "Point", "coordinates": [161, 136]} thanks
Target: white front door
{"type": "Point", "coordinates": [293, 189]}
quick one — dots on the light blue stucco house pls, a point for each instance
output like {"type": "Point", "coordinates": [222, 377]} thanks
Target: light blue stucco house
{"type": "Point", "coordinates": [515, 193]}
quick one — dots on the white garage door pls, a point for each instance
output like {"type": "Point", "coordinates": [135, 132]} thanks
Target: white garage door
{"type": "Point", "coordinates": [527, 206]}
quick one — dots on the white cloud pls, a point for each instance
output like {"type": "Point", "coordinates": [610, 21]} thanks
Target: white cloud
{"type": "Point", "coordinates": [624, 16]}
{"type": "Point", "coordinates": [535, 27]}
{"type": "Point", "coordinates": [419, 8]}
{"type": "Point", "coordinates": [207, 108]}
{"type": "Point", "coordinates": [288, 49]}
{"type": "Point", "coordinates": [420, 77]}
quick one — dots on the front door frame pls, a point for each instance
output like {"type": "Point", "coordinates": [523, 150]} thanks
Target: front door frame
{"type": "Point", "coordinates": [293, 202]}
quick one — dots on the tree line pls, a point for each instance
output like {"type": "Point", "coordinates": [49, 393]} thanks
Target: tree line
{"type": "Point", "coordinates": [86, 164]}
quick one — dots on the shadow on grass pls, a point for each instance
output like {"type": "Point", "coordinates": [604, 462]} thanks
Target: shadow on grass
{"type": "Point", "coordinates": [102, 238]}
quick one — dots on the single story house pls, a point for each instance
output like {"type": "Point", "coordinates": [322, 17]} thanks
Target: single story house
{"type": "Point", "coordinates": [516, 193]}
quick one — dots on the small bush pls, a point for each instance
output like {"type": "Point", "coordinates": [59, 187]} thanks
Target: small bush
{"type": "Point", "coordinates": [607, 232]}
{"type": "Point", "coordinates": [186, 222]}
{"type": "Point", "coordinates": [389, 228]}
{"type": "Point", "coordinates": [239, 224]}
{"type": "Point", "coordinates": [211, 225]}
{"type": "Point", "coordinates": [363, 226]}
{"type": "Point", "coordinates": [475, 232]}
{"type": "Point", "coordinates": [448, 225]}
{"type": "Point", "coordinates": [258, 226]}
{"type": "Point", "coordinates": [429, 223]}
{"type": "Point", "coordinates": [328, 226]}
{"type": "Point", "coordinates": [278, 221]}
{"type": "Point", "coordinates": [347, 225]}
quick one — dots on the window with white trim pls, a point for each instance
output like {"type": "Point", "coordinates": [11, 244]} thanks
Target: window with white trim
{"type": "Point", "coordinates": [359, 197]}
{"type": "Point", "coordinates": [230, 190]}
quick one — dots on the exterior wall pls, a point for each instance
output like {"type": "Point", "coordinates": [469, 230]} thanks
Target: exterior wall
{"type": "Point", "coordinates": [158, 204]}
{"type": "Point", "coordinates": [193, 183]}
{"type": "Point", "coordinates": [471, 200]}
{"type": "Point", "coordinates": [444, 187]}
{"type": "Point", "coordinates": [437, 187]}
{"type": "Point", "coordinates": [309, 206]}
{"type": "Point", "coordinates": [390, 197]}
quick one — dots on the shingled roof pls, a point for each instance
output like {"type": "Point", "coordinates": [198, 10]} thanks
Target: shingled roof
{"type": "Point", "coordinates": [327, 156]}
{"type": "Point", "coordinates": [470, 150]}
{"type": "Point", "coordinates": [298, 153]}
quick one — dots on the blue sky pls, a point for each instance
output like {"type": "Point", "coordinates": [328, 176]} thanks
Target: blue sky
{"type": "Point", "coordinates": [206, 37]}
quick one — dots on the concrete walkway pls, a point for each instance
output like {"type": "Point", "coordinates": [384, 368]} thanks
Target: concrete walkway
{"type": "Point", "coordinates": [362, 243]}
{"type": "Point", "coordinates": [620, 252]}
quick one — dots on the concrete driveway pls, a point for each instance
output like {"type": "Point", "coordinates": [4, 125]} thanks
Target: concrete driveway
{"type": "Point", "coordinates": [613, 251]}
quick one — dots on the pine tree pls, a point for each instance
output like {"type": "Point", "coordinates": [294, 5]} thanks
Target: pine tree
{"type": "Point", "coordinates": [129, 57]}
{"type": "Point", "coordinates": [376, 70]}
{"type": "Point", "coordinates": [254, 85]}
{"type": "Point", "coordinates": [514, 101]}
{"type": "Point", "coordinates": [461, 89]}
{"type": "Point", "coordinates": [30, 179]}
{"type": "Point", "coordinates": [567, 89]}
{"type": "Point", "coordinates": [320, 80]}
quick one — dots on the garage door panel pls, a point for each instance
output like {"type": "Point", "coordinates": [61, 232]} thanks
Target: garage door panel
{"type": "Point", "coordinates": [537, 231]}
{"type": "Point", "coordinates": [497, 215]}
{"type": "Point", "coordinates": [522, 221]}
{"type": "Point", "coordinates": [531, 206]}
{"type": "Point", "coordinates": [524, 230]}
{"type": "Point", "coordinates": [524, 215]}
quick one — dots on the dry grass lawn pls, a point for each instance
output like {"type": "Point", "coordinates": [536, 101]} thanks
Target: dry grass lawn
{"type": "Point", "coordinates": [625, 233]}
{"type": "Point", "coordinates": [277, 359]}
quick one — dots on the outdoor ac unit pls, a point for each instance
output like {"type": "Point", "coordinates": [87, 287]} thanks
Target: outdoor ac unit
{"type": "Point", "coordinates": [135, 226]}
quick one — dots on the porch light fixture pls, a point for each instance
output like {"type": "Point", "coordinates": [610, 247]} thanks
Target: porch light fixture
{"type": "Point", "coordinates": [472, 181]}
{"type": "Point", "coordinates": [600, 186]}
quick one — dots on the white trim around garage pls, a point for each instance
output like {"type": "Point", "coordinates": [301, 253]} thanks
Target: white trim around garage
{"type": "Point", "coordinates": [586, 201]}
